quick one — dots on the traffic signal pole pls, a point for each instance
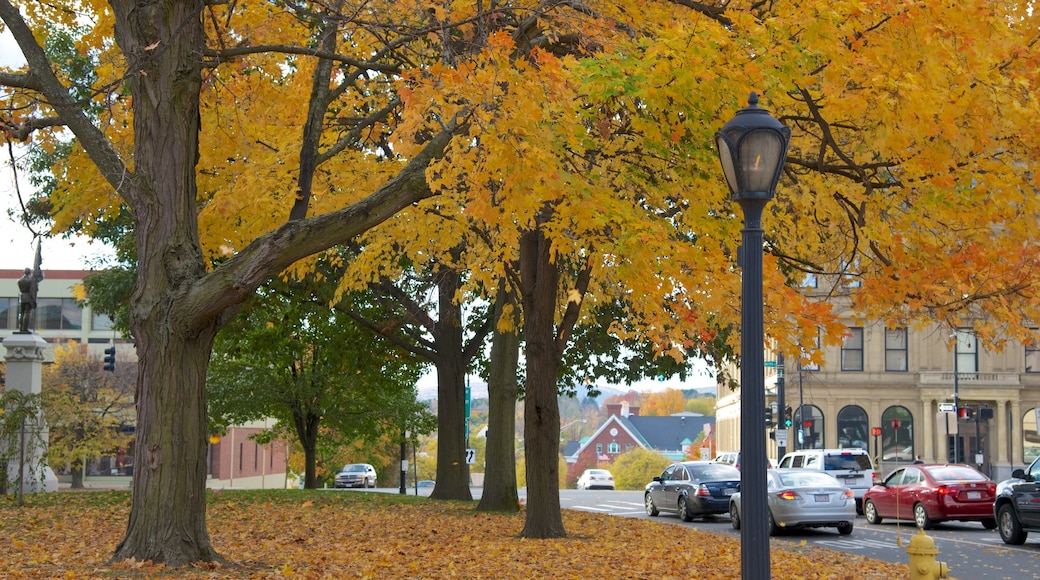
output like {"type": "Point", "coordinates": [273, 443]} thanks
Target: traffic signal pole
{"type": "Point", "coordinates": [781, 407]}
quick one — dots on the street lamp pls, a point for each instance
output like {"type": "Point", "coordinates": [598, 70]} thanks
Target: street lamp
{"type": "Point", "coordinates": [752, 147]}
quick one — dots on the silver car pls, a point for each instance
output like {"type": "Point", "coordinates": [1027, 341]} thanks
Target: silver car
{"type": "Point", "coordinates": [804, 498]}
{"type": "Point", "coordinates": [356, 475]}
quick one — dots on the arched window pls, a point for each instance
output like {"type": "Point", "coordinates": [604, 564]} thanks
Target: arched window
{"type": "Point", "coordinates": [897, 434]}
{"type": "Point", "coordinates": [808, 419]}
{"type": "Point", "coordinates": [1030, 436]}
{"type": "Point", "coordinates": [853, 428]}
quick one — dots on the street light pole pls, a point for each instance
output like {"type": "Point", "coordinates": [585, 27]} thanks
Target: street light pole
{"type": "Point", "coordinates": [752, 148]}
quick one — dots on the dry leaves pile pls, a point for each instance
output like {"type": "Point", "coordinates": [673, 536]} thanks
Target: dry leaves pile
{"type": "Point", "coordinates": [327, 534]}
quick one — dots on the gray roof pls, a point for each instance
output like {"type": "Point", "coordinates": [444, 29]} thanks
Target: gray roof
{"type": "Point", "coordinates": [668, 433]}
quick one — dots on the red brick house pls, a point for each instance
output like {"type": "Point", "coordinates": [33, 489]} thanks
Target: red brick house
{"type": "Point", "coordinates": [671, 436]}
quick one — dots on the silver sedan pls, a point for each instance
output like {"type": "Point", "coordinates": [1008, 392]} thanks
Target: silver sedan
{"type": "Point", "coordinates": [804, 498]}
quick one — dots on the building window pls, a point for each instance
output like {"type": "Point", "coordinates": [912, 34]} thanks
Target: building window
{"type": "Point", "coordinates": [58, 314]}
{"type": "Point", "coordinates": [1030, 436]}
{"type": "Point", "coordinates": [808, 419]}
{"type": "Point", "coordinates": [100, 321]}
{"type": "Point", "coordinates": [614, 447]}
{"type": "Point", "coordinates": [810, 366]}
{"type": "Point", "coordinates": [897, 428]}
{"type": "Point", "coordinates": [1033, 358]}
{"type": "Point", "coordinates": [967, 356]}
{"type": "Point", "coordinates": [851, 277]}
{"type": "Point", "coordinates": [810, 281]}
{"type": "Point", "coordinates": [852, 350]}
{"type": "Point", "coordinates": [628, 447]}
{"type": "Point", "coordinates": [895, 350]}
{"type": "Point", "coordinates": [8, 313]}
{"type": "Point", "coordinates": [853, 428]}
{"type": "Point", "coordinates": [599, 449]}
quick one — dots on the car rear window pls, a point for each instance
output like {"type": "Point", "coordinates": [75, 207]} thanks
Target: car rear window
{"type": "Point", "coordinates": [858, 461]}
{"type": "Point", "coordinates": [806, 478]}
{"type": "Point", "coordinates": [716, 471]}
{"type": "Point", "coordinates": [953, 473]}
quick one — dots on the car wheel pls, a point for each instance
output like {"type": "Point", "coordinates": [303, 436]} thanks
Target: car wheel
{"type": "Point", "coordinates": [684, 510]}
{"type": "Point", "coordinates": [734, 516]}
{"type": "Point", "coordinates": [989, 524]}
{"type": "Point", "coordinates": [845, 528]}
{"type": "Point", "coordinates": [373, 486]}
{"type": "Point", "coordinates": [1009, 527]}
{"type": "Point", "coordinates": [921, 517]}
{"type": "Point", "coordinates": [773, 528]}
{"type": "Point", "coordinates": [651, 509]}
{"type": "Point", "coordinates": [870, 510]}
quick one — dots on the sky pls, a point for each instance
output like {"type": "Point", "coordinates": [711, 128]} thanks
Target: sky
{"type": "Point", "coordinates": [16, 240]}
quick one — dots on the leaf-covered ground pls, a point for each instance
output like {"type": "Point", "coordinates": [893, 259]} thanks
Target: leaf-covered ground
{"type": "Point", "coordinates": [325, 534]}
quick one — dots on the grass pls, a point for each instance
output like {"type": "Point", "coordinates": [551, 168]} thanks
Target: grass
{"type": "Point", "coordinates": [322, 534]}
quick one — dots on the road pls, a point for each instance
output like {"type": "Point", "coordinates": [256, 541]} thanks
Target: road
{"type": "Point", "coordinates": [969, 550]}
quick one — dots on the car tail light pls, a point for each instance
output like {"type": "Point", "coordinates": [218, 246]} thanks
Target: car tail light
{"type": "Point", "coordinates": [943, 490]}
{"type": "Point", "coordinates": [703, 491]}
{"type": "Point", "coordinates": [788, 495]}
{"type": "Point", "coordinates": [875, 480]}
{"type": "Point", "coordinates": [847, 494]}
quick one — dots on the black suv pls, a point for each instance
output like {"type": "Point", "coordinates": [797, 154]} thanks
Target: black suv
{"type": "Point", "coordinates": [1017, 507]}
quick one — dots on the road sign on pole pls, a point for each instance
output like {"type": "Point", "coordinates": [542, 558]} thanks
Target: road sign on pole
{"type": "Point", "coordinates": [947, 407]}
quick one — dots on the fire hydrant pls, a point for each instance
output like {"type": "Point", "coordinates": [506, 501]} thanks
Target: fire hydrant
{"type": "Point", "coordinates": [922, 553]}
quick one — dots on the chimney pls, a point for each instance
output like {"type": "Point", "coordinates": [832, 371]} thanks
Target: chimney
{"type": "Point", "coordinates": [633, 411]}
{"type": "Point", "coordinates": [613, 409]}
{"type": "Point", "coordinates": [624, 408]}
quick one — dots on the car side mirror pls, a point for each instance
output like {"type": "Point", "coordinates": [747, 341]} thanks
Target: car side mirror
{"type": "Point", "coordinates": [657, 478]}
{"type": "Point", "coordinates": [1019, 474]}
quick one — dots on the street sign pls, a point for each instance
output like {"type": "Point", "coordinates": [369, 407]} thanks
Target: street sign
{"type": "Point", "coordinates": [947, 407]}
{"type": "Point", "coordinates": [770, 364]}
{"type": "Point", "coordinates": [781, 437]}
{"type": "Point", "coordinates": [471, 456]}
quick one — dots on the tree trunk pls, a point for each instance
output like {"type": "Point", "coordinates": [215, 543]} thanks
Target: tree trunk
{"type": "Point", "coordinates": [540, 282]}
{"type": "Point", "coordinates": [500, 493]}
{"type": "Point", "coordinates": [163, 42]}
{"type": "Point", "coordinates": [307, 432]}
{"type": "Point", "coordinates": [77, 475]}
{"type": "Point", "coordinates": [452, 470]}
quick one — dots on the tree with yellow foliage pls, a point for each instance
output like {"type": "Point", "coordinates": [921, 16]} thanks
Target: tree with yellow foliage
{"type": "Point", "coordinates": [570, 145]}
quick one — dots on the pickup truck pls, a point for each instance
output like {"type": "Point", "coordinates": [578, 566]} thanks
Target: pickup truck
{"type": "Point", "coordinates": [1017, 507]}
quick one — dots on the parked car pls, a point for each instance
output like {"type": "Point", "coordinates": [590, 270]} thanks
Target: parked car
{"type": "Point", "coordinates": [932, 493]}
{"type": "Point", "coordinates": [692, 489]}
{"type": "Point", "coordinates": [800, 498]}
{"type": "Point", "coordinates": [596, 479]}
{"type": "Point", "coordinates": [356, 475]}
{"type": "Point", "coordinates": [425, 483]}
{"type": "Point", "coordinates": [1017, 505]}
{"type": "Point", "coordinates": [853, 467]}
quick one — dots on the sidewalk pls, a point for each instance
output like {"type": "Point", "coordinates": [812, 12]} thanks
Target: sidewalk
{"type": "Point", "coordinates": [97, 482]}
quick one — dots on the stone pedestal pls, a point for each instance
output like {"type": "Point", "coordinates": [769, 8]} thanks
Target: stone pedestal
{"type": "Point", "coordinates": [24, 359]}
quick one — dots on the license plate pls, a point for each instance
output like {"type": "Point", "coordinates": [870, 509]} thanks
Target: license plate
{"type": "Point", "coordinates": [974, 495]}
{"type": "Point", "coordinates": [729, 491]}
{"type": "Point", "coordinates": [850, 477]}
{"type": "Point", "coordinates": [821, 497]}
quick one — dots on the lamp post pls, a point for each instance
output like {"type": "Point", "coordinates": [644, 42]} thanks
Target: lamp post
{"type": "Point", "coordinates": [752, 148]}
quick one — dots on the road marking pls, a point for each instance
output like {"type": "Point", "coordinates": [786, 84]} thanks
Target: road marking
{"type": "Point", "coordinates": [856, 544]}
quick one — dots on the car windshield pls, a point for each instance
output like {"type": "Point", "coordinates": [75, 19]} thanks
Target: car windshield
{"type": "Point", "coordinates": [846, 461]}
{"type": "Point", "coordinates": [955, 473]}
{"type": "Point", "coordinates": [714, 471]}
{"type": "Point", "coordinates": [598, 472]}
{"type": "Point", "coordinates": [806, 479]}
{"type": "Point", "coordinates": [354, 468]}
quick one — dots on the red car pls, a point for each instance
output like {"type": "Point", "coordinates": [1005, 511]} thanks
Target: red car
{"type": "Point", "coordinates": [929, 494]}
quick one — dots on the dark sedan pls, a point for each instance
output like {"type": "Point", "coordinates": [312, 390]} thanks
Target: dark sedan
{"type": "Point", "coordinates": [929, 494]}
{"type": "Point", "coordinates": [692, 489]}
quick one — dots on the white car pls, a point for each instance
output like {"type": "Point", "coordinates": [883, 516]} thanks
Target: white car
{"type": "Point", "coordinates": [596, 479]}
{"type": "Point", "coordinates": [356, 475]}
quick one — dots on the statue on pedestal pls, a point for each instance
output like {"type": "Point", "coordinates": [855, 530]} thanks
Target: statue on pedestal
{"type": "Point", "coordinates": [28, 286]}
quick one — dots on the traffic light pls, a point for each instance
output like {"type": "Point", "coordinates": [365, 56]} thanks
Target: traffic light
{"type": "Point", "coordinates": [787, 416]}
{"type": "Point", "coordinates": [769, 416]}
{"type": "Point", "coordinates": [110, 359]}
{"type": "Point", "coordinates": [966, 413]}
